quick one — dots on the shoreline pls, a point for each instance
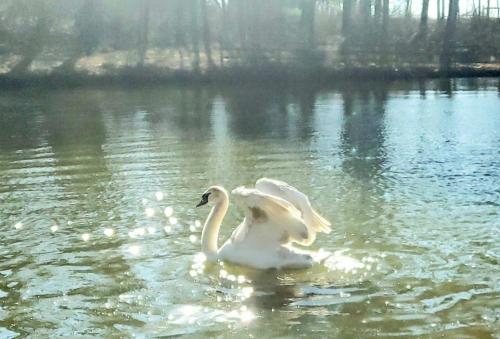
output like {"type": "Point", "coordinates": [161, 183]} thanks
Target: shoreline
{"type": "Point", "coordinates": [268, 74]}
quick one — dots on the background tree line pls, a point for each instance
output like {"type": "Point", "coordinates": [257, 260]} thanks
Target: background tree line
{"type": "Point", "coordinates": [210, 34]}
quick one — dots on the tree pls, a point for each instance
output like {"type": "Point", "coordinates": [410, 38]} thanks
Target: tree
{"type": "Point", "coordinates": [195, 34]}
{"type": "Point", "coordinates": [424, 18]}
{"type": "Point", "coordinates": [408, 9]}
{"type": "Point", "coordinates": [206, 33]}
{"type": "Point", "coordinates": [449, 36]}
{"type": "Point", "coordinates": [30, 32]}
{"type": "Point", "coordinates": [307, 22]}
{"type": "Point", "coordinates": [365, 11]}
{"type": "Point", "coordinates": [378, 12]}
{"type": "Point", "coordinates": [346, 17]}
{"type": "Point", "coordinates": [222, 33]}
{"type": "Point", "coordinates": [88, 27]}
{"type": "Point", "coordinates": [385, 18]}
{"type": "Point", "coordinates": [180, 36]}
{"type": "Point", "coordinates": [143, 32]}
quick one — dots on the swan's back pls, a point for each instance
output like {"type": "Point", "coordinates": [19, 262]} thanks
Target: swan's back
{"type": "Point", "coordinates": [270, 214]}
{"type": "Point", "coordinates": [314, 221]}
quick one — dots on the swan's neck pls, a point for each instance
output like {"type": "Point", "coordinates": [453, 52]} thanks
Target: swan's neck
{"type": "Point", "coordinates": [211, 229]}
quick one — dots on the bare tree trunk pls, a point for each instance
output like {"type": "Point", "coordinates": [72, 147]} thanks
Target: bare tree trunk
{"type": "Point", "coordinates": [378, 12]}
{"type": "Point", "coordinates": [144, 31]}
{"type": "Point", "coordinates": [206, 34]}
{"type": "Point", "coordinates": [195, 35]}
{"type": "Point", "coordinates": [34, 46]}
{"type": "Point", "coordinates": [222, 37]}
{"type": "Point", "coordinates": [366, 11]}
{"type": "Point", "coordinates": [347, 18]}
{"type": "Point", "coordinates": [424, 18]}
{"type": "Point", "coordinates": [179, 34]}
{"type": "Point", "coordinates": [307, 22]}
{"type": "Point", "coordinates": [438, 8]}
{"type": "Point", "coordinates": [449, 36]}
{"type": "Point", "coordinates": [242, 27]}
{"type": "Point", "coordinates": [385, 18]}
{"type": "Point", "coordinates": [408, 9]}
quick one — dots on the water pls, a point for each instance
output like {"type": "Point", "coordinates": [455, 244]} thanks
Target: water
{"type": "Point", "coordinates": [99, 234]}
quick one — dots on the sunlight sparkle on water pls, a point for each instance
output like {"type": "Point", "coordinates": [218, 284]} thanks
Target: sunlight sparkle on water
{"type": "Point", "coordinates": [167, 229]}
{"type": "Point", "coordinates": [151, 230]}
{"type": "Point", "coordinates": [109, 232]}
{"type": "Point", "coordinates": [168, 211]}
{"type": "Point", "coordinates": [159, 196]}
{"type": "Point", "coordinates": [200, 258]}
{"type": "Point", "coordinates": [54, 228]}
{"type": "Point", "coordinates": [173, 220]}
{"type": "Point", "coordinates": [246, 315]}
{"type": "Point", "coordinates": [193, 238]}
{"type": "Point", "coordinates": [246, 292]}
{"type": "Point", "coordinates": [18, 225]}
{"type": "Point", "coordinates": [134, 249]}
{"type": "Point", "coordinates": [198, 264]}
{"type": "Point", "coordinates": [340, 261]}
{"type": "Point", "coordinates": [149, 212]}
{"type": "Point", "coordinates": [85, 236]}
{"type": "Point", "coordinates": [197, 223]}
{"type": "Point", "coordinates": [138, 232]}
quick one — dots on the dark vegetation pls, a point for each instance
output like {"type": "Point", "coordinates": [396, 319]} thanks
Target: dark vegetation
{"type": "Point", "coordinates": [112, 41]}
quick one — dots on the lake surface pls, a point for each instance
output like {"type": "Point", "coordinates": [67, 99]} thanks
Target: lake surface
{"type": "Point", "coordinates": [99, 234]}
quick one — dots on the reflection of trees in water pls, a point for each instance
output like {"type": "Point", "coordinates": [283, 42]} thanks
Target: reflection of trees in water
{"type": "Point", "coordinates": [256, 112]}
{"type": "Point", "coordinates": [445, 85]}
{"type": "Point", "coordinates": [306, 97]}
{"type": "Point", "coordinates": [19, 123]}
{"type": "Point", "coordinates": [186, 109]}
{"type": "Point", "coordinates": [74, 122]}
{"type": "Point", "coordinates": [191, 112]}
{"type": "Point", "coordinates": [363, 147]}
{"type": "Point", "coordinates": [363, 131]}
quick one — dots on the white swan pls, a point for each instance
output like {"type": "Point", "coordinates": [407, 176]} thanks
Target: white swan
{"type": "Point", "coordinates": [276, 215]}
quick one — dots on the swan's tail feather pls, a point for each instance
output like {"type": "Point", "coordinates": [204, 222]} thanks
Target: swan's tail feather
{"type": "Point", "coordinates": [314, 220]}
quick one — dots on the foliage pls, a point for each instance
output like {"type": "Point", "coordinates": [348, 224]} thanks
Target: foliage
{"type": "Point", "coordinates": [222, 33]}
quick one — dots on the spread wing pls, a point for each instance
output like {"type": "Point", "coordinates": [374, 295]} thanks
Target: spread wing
{"type": "Point", "coordinates": [314, 221]}
{"type": "Point", "coordinates": [270, 215]}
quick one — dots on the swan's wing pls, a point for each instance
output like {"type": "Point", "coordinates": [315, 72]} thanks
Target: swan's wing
{"type": "Point", "coordinates": [314, 221]}
{"type": "Point", "coordinates": [261, 208]}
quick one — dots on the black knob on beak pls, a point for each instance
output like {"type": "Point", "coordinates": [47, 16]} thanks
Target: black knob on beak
{"type": "Point", "coordinates": [204, 200]}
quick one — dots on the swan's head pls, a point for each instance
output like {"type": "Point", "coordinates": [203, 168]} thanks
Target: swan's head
{"type": "Point", "coordinates": [213, 195]}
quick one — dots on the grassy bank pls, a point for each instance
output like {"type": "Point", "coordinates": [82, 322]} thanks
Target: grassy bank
{"type": "Point", "coordinates": [138, 76]}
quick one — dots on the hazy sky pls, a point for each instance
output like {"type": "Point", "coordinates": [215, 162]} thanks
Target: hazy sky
{"type": "Point", "coordinates": [465, 6]}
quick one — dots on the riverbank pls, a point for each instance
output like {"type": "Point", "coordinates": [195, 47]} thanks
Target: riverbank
{"type": "Point", "coordinates": [139, 76]}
